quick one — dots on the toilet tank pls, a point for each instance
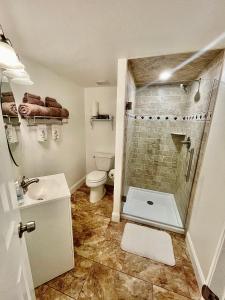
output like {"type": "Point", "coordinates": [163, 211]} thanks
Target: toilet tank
{"type": "Point", "coordinates": [104, 161]}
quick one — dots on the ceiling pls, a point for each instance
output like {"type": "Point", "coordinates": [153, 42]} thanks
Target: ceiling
{"type": "Point", "coordinates": [82, 39]}
{"type": "Point", "coordinates": [147, 70]}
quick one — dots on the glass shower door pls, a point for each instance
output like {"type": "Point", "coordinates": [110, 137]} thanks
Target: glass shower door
{"type": "Point", "coordinates": [163, 139]}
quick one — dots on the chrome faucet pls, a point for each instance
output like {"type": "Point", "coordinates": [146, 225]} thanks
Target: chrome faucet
{"type": "Point", "coordinates": [26, 182]}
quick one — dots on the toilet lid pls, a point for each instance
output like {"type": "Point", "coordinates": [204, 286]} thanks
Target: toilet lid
{"type": "Point", "coordinates": [96, 176]}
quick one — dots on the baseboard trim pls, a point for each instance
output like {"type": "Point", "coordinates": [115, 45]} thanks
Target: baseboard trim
{"type": "Point", "coordinates": [77, 184]}
{"type": "Point", "coordinates": [195, 262]}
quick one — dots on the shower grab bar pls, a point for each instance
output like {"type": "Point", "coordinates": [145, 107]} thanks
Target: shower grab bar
{"type": "Point", "coordinates": [188, 173]}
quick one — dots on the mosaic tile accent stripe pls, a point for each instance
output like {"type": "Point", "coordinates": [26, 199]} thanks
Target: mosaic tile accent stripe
{"type": "Point", "coordinates": [200, 116]}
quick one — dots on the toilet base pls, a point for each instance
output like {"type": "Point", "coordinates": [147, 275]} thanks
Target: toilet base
{"type": "Point", "coordinates": [97, 193]}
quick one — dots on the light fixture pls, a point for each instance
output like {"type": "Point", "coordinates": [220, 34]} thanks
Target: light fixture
{"type": "Point", "coordinates": [8, 56]}
{"type": "Point", "coordinates": [22, 81]}
{"type": "Point", "coordinates": [165, 75]}
{"type": "Point", "coordinates": [4, 79]}
{"type": "Point", "coordinates": [15, 73]}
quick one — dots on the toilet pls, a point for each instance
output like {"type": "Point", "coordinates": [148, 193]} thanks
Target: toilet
{"type": "Point", "coordinates": [96, 179]}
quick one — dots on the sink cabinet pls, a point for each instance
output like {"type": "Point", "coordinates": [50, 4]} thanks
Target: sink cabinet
{"type": "Point", "coordinates": [50, 246]}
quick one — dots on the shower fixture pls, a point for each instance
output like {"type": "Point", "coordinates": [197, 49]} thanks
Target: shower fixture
{"type": "Point", "coordinates": [187, 142]}
{"type": "Point", "coordinates": [197, 95]}
{"type": "Point", "coordinates": [184, 87]}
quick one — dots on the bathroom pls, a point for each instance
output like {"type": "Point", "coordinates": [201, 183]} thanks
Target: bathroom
{"type": "Point", "coordinates": [111, 152]}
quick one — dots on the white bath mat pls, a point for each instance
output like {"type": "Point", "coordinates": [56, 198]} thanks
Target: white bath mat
{"type": "Point", "coordinates": [151, 243]}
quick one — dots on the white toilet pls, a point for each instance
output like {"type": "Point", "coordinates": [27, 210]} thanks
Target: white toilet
{"type": "Point", "coordinates": [96, 179]}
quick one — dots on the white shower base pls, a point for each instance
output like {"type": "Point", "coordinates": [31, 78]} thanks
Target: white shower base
{"type": "Point", "coordinates": [163, 210]}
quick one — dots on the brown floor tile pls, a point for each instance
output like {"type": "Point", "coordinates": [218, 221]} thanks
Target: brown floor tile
{"type": "Point", "coordinates": [172, 278]}
{"type": "Point", "coordinates": [108, 284]}
{"type": "Point", "coordinates": [87, 227]}
{"type": "Point", "coordinates": [162, 294]}
{"type": "Point", "coordinates": [50, 294]}
{"type": "Point", "coordinates": [72, 282]}
{"type": "Point", "coordinates": [41, 290]}
{"type": "Point", "coordinates": [179, 247]}
{"type": "Point", "coordinates": [81, 203]}
{"type": "Point", "coordinates": [192, 283]}
{"type": "Point", "coordinates": [115, 230]}
{"type": "Point", "coordinates": [176, 280]}
{"type": "Point", "coordinates": [143, 268]}
{"type": "Point", "coordinates": [104, 207]}
{"type": "Point", "coordinates": [107, 252]}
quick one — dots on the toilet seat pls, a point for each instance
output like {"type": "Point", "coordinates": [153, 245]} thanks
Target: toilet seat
{"type": "Point", "coordinates": [96, 176]}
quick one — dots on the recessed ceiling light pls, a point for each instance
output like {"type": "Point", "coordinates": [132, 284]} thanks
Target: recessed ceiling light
{"type": "Point", "coordinates": [165, 75]}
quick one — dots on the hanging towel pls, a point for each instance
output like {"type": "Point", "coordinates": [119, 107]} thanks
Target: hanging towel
{"type": "Point", "coordinates": [56, 132]}
{"type": "Point", "coordinates": [11, 134]}
{"type": "Point", "coordinates": [42, 133]}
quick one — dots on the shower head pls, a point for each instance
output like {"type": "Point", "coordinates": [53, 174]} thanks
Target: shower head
{"type": "Point", "coordinates": [197, 95]}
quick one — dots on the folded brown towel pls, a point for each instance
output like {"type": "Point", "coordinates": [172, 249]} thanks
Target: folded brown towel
{"type": "Point", "coordinates": [64, 113]}
{"type": "Point", "coordinates": [8, 99]}
{"type": "Point", "coordinates": [9, 108]}
{"type": "Point", "coordinates": [32, 96]}
{"type": "Point", "coordinates": [51, 102]}
{"type": "Point", "coordinates": [29, 110]}
{"type": "Point", "coordinates": [7, 94]}
{"type": "Point", "coordinates": [32, 99]}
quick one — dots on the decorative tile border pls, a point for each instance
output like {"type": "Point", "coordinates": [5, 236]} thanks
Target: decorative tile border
{"type": "Point", "coordinates": [202, 116]}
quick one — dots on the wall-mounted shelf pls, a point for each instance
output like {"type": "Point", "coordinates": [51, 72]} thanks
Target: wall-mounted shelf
{"type": "Point", "coordinates": [93, 119]}
{"type": "Point", "coordinates": [37, 120]}
{"type": "Point", "coordinates": [11, 120]}
{"type": "Point", "coordinates": [181, 134]}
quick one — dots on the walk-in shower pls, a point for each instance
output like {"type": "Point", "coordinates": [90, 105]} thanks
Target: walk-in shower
{"type": "Point", "coordinates": [164, 135]}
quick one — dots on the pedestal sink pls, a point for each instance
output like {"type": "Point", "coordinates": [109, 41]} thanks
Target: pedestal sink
{"type": "Point", "coordinates": [50, 246]}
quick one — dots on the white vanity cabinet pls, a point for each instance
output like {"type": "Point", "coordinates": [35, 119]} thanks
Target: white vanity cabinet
{"type": "Point", "coordinates": [50, 246]}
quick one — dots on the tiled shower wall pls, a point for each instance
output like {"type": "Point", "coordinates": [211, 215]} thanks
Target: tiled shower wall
{"type": "Point", "coordinates": [155, 158]}
{"type": "Point", "coordinates": [152, 151]}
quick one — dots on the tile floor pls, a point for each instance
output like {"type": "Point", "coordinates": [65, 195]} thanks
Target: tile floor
{"type": "Point", "coordinates": [103, 271]}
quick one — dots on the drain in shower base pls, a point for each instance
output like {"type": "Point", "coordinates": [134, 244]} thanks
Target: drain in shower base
{"type": "Point", "coordinates": [150, 202]}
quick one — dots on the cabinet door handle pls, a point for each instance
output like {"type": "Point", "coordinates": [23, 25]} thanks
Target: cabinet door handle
{"type": "Point", "coordinates": [28, 227]}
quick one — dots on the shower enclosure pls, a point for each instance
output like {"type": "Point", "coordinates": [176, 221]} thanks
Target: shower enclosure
{"type": "Point", "coordinates": [166, 126]}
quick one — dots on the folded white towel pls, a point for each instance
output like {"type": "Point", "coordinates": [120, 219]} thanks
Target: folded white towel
{"type": "Point", "coordinates": [56, 132]}
{"type": "Point", "coordinates": [42, 134]}
{"type": "Point", "coordinates": [11, 134]}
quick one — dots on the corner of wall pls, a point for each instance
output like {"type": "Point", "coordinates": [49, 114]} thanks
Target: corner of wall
{"type": "Point", "coordinates": [77, 185]}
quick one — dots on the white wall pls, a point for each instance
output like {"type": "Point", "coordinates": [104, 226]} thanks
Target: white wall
{"type": "Point", "coordinates": [208, 215]}
{"type": "Point", "coordinates": [67, 155]}
{"type": "Point", "coordinates": [100, 138]}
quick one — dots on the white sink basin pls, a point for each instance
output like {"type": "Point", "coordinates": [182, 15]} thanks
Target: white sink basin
{"type": "Point", "coordinates": [48, 188]}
